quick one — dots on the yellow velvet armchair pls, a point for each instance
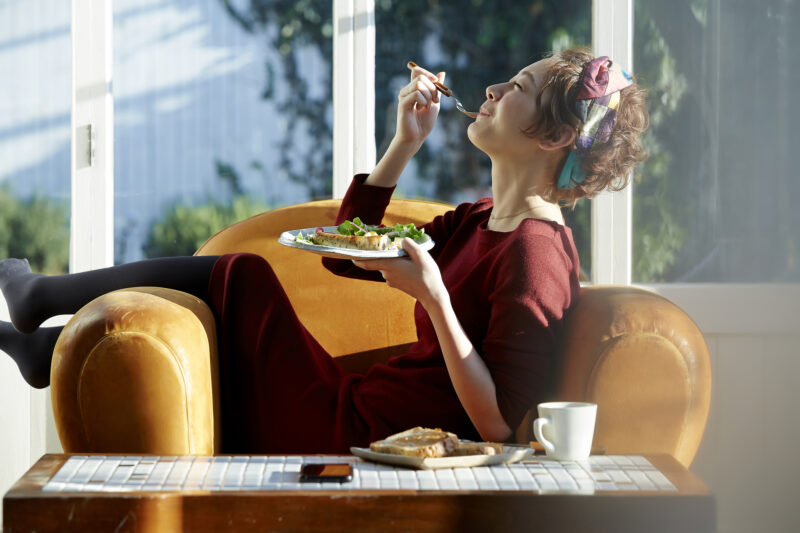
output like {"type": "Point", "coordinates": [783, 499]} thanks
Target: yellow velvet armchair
{"type": "Point", "coordinates": [134, 371]}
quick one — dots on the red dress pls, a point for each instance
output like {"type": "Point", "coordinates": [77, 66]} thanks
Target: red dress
{"type": "Point", "coordinates": [283, 393]}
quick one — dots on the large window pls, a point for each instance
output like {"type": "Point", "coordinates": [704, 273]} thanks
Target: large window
{"type": "Point", "coordinates": [222, 110]}
{"type": "Point", "coordinates": [35, 132]}
{"type": "Point", "coordinates": [715, 202]}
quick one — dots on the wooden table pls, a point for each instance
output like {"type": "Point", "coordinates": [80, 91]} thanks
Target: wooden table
{"type": "Point", "coordinates": [27, 508]}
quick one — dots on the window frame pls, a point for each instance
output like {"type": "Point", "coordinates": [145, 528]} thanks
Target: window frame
{"type": "Point", "coordinates": [354, 147]}
{"type": "Point", "coordinates": [612, 213]}
{"type": "Point", "coordinates": [92, 136]}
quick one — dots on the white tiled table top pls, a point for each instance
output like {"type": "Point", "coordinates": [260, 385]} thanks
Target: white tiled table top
{"type": "Point", "coordinates": [265, 473]}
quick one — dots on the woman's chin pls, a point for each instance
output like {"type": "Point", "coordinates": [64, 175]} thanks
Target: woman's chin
{"type": "Point", "coordinates": [475, 136]}
{"type": "Point", "coordinates": [473, 133]}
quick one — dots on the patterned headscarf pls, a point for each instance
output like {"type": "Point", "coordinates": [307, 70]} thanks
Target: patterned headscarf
{"type": "Point", "coordinates": [596, 104]}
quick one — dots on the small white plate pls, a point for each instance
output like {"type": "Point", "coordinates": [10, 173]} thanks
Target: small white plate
{"type": "Point", "coordinates": [511, 454]}
{"type": "Point", "coordinates": [287, 239]}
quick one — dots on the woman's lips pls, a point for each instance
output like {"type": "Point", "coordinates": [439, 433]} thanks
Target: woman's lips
{"type": "Point", "coordinates": [482, 112]}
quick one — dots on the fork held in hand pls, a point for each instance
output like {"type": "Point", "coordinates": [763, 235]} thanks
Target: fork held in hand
{"type": "Point", "coordinates": [442, 88]}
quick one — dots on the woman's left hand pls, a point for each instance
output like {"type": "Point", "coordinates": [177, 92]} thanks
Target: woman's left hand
{"type": "Point", "coordinates": [417, 274]}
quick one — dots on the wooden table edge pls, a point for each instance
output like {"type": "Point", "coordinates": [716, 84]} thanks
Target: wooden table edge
{"type": "Point", "coordinates": [462, 510]}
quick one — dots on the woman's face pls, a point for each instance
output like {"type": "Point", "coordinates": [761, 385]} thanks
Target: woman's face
{"type": "Point", "coordinates": [509, 110]}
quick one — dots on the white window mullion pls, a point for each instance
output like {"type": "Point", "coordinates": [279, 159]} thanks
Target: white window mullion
{"type": "Point", "coordinates": [353, 91]}
{"type": "Point", "coordinates": [92, 223]}
{"type": "Point", "coordinates": [612, 35]}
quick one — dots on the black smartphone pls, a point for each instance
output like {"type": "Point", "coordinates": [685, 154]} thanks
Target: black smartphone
{"type": "Point", "coordinates": [338, 472]}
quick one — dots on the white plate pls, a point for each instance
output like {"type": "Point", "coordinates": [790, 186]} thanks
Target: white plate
{"type": "Point", "coordinates": [511, 454]}
{"type": "Point", "coordinates": [287, 239]}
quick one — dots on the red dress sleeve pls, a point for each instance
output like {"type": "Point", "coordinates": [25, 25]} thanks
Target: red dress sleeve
{"type": "Point", "coordinates": [368, 202]}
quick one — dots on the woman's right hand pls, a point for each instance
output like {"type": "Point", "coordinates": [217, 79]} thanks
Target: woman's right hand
{"type": "Point", "coordinates": [417, 109]}
{"type": "Point", "coordinates": [418, 106]}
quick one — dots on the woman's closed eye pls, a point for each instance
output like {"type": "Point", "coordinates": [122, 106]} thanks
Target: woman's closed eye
{"type": "Point", "coordinates": [518, 86]}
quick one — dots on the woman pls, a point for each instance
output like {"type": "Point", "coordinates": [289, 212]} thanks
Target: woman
{"type": "Point", "coordinates": [491, 296]}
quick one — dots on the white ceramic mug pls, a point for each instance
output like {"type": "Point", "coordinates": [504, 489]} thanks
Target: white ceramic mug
{"type": "Point", "coordinates": [566, 429]}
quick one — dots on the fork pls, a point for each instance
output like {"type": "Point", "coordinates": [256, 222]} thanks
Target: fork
{"type": "Point", "coordinates": [442, 88]}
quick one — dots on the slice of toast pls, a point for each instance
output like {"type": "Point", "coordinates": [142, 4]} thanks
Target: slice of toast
{"type": "Point", "coordinates": [418, 442]}
{"type": "Point", "coordinates": [478, 448]}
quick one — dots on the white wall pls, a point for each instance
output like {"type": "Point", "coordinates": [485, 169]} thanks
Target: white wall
{"type": "Point", "coordinates": [748, 456]}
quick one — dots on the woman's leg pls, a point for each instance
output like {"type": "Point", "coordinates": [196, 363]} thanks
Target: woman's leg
{"type": "Point", "coordinates": [33, 298]}
{"type": "Point", "coordinates": [280, 391]}
{"type": "Point", "coordinates": [32, 352]}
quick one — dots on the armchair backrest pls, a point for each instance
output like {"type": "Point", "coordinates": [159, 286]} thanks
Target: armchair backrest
{"type": "Point", "coordinates": [340, 313]}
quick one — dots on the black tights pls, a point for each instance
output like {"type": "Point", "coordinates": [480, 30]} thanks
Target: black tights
{"type": "Point", "coordinates": [33, 298]}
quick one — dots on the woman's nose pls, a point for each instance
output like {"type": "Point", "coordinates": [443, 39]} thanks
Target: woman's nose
{"type": "Point", "coordinates": [494, 92]}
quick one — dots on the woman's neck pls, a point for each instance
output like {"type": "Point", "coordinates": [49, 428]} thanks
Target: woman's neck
{"type": "Point", "coordinates": [520, 191]}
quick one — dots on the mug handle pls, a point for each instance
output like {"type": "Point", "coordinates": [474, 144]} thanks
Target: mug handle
{"type": "Point", "coordinates": [538, 424]}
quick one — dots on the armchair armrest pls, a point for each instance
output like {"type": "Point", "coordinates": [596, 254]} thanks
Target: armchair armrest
{"type": "Point", "coordinates": [645, 364]}
{"type": "Point", "coordinates": [135, 371]}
